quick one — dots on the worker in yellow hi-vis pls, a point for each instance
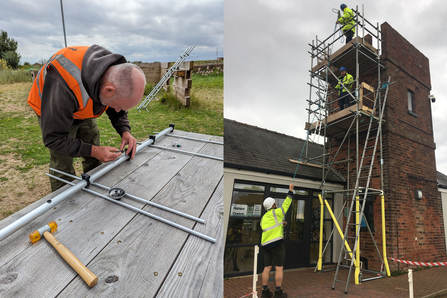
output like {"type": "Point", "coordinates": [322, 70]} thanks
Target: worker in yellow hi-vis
{"type": "Point", "coordinates": [272, 243]}
{"type": "Point", "coordinates": [344, 85]}
{"type": "Point", "coordinates": [347, 20]}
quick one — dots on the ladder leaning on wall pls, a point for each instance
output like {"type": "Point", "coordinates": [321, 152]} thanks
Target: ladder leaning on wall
{"type": "Point", "coordinates": [165, 78]}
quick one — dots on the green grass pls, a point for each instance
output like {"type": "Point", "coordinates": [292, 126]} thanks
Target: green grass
{"type": "Point", "coordinates": [21, 134]}
{"type": "Point", "coordinates": [22, 137]}
{"type": "Point", "coordinates": [212, 79]}
{"type": "Point", "coordinates": [14, 76]}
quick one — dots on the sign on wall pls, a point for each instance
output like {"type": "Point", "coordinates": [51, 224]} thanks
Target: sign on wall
{"type": "Point", "coordinates": [257, 210]}
{"type": "Point", "coordinates": [238, 210]}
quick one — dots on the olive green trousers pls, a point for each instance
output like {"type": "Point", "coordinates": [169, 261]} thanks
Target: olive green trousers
{"type": "Point", "coordinates": [88, 132]}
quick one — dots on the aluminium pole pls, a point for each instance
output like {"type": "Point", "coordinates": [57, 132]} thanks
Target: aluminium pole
{"type": "Point", "coordinates": [14, 226]}
{"type": "Point", "coordinates": [310, 95]}
{"type": "Point", "coordinates": [63, 24]}
{"type": "Point", "coordinates": [195, 139]}
{"type": "Point", "coordinates": [188, 152]}
{"type": "Point", "coordinates": [356, 258]}
{"type": "Point", "coordinates": [185, 229]}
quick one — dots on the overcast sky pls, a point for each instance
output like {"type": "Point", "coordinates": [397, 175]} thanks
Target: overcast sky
{"type": "Point", "coordinates": [141, 30]}
{"type": "Point", "coordinates": [267, 61]}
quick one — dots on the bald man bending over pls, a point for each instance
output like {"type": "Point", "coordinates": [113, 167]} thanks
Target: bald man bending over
{"type": "Point", "coordinates": [76, 85]}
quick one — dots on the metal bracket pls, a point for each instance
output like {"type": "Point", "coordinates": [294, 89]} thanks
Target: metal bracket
{"type": "Point", "coordinates": [86, 178]}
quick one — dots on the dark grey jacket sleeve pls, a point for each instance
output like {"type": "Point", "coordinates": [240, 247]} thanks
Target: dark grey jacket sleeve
{"type": "Point", "coordinates": [58, 105]}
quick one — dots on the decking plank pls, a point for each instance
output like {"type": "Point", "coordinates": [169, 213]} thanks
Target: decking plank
{"type": "Point", "coordinates": [200, 264]}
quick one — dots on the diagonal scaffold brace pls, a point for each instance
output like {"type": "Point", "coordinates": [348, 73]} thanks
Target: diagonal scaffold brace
{"type": "Point", "coordinates": [27, 218]}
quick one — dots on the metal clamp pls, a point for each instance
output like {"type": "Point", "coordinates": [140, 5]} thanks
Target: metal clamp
{"type": "Point", "coordinates": [86, 178]}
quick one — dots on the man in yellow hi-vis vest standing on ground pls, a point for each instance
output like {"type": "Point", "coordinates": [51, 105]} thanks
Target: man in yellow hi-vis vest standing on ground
{"type": "Point", "coordinates": [272, 243]}
{"type": "Point", "coordinates": [347, 20]}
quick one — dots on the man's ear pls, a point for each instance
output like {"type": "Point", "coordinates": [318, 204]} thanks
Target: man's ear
{"type": "Point", "coordinates": [108, 91]}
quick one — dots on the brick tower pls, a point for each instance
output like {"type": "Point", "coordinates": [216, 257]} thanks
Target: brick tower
{"type": "Point", "coordinates": [403, 165]}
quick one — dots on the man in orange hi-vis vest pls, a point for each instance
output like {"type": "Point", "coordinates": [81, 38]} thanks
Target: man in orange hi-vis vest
{"type": "Point", "coordinates": [76, 85]}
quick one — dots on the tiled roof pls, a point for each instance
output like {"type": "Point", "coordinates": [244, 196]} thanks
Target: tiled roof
{"type": "Point", "coordinates": [256, 149]}
{"type": "Point", "coordinates": [442, 180]}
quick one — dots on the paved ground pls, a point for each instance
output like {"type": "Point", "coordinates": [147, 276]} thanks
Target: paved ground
{"type": "Point", "coordinates": [430, 282]}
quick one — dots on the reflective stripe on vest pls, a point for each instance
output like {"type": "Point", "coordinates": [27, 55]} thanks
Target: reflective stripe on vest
{"type": "Point", "coordinates": [275, 226]}
{"type": "Point", "coordinates": [271, 241]}
{"type": "Point", "coordinates": [68, 63]}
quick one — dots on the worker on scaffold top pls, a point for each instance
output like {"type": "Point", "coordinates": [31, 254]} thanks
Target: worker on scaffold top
{"type": "Point", "coordinates": [344, 99]}
{"type": "Point", "coordinates": [347, 21]}
{"type": "Point", "coordinates": [76, 85]}
{"type": "Point", "coordinates": [272, 243]}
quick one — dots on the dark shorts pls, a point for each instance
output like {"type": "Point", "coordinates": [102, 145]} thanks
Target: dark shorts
{"type": "Point", "coordinates": [275, 256]}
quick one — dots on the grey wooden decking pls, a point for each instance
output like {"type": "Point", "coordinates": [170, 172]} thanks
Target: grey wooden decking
{"type": "Point", "coordinates": [149, 258]}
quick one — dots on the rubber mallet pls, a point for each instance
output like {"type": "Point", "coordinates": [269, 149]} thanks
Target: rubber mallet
{"type": "Point", "coordinates": [46, 231]}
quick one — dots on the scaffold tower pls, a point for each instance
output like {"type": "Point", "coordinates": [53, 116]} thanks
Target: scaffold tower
{"type": "Point", "coordinates": [352, 138]}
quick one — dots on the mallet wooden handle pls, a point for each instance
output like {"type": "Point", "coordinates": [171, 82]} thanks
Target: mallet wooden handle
{"type": "Point", "coordinates": [83, 271]}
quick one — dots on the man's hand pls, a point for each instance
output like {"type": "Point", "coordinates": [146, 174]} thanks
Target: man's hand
{"type": "Point", "coordinates": [105, 153]}
{"type": "Point", "coordinates": [284, 223]}
{"type": "Point", "coordinates": [291, 187]}
{"type": "Point", "coordinates": [129, 140]}
{"type": "Point", "coordinates": [338, 22]}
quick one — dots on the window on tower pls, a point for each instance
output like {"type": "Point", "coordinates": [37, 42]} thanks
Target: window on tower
{"type": "Point", "coordinates": [411, 107]}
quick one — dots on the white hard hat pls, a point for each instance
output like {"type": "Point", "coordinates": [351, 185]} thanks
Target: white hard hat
{"type": "Point", "coordinates": [268, 203]}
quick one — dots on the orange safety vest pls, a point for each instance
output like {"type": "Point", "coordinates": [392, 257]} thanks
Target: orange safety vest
{"type": "Point", "coordinates": [68, 63]}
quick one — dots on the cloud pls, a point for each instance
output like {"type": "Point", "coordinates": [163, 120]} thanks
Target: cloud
{"type": "Point", "coordinates": [141, 30]}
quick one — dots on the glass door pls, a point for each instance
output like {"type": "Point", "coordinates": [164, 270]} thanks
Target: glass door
{"type": "Point", "coordinates": [295, 233]}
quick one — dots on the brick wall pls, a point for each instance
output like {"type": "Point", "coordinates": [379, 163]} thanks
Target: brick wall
{"type": "Point", "coordinates": [414, 227]}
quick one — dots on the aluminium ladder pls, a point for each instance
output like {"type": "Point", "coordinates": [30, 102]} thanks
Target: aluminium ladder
{"type": "Point", "coordinates": [360, 194]}
{"type": "Point", "coordinates": [165, 78]}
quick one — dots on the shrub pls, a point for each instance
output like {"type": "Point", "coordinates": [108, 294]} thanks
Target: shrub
{"type": "Point", "coordinates": [10, 76]}
{"type": "Point", "coordinates": [3, 64]}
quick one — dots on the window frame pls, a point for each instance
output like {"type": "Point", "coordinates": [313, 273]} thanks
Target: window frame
{"type": "Point", "coordinates": [411, 103]}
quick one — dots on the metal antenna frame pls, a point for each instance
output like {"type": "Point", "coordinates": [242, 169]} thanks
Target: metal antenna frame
{"type": "Point", "coordinates": [126, 195]}
{"type": "Point", "coordinates": [185, 229]}
{"type": "Point", "coordinates": [27, 218]}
